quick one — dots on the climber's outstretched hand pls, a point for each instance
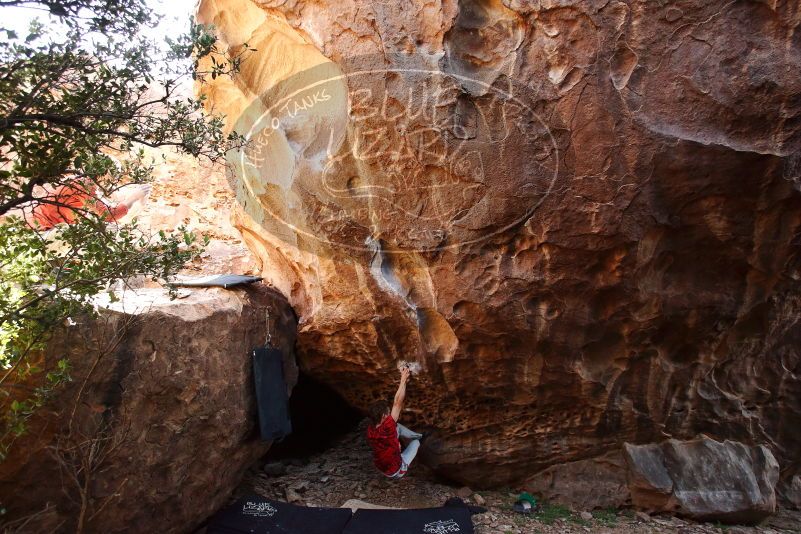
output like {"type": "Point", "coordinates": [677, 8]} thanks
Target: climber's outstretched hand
{"type": "Point", "coordinates": [405, 373]}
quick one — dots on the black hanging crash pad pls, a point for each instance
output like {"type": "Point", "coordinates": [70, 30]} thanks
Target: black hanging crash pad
{"type": "Point", "coordinates": [271, 398]}
{"type": "Point", "coordinates": [454, 517]}
{"type": "Point", "coordinates": [255, 514]}
{"type": "Point", "coordinates": [216, 280]}
{"type": "Point", "coordinates": [258, 515]}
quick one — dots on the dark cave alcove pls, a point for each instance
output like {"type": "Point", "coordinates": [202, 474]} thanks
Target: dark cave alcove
{"type": "Point", "coordinates": [319, 417]}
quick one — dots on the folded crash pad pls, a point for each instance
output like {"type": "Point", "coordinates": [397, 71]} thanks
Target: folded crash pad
{"type": "Point", "coordinates": [216, 280]}
{"type": "Point", "coordinates": [258, 515]}
{"type": "Point", "coordinates": [271, 398]}
{"type": "Point", "coordinates": [454, 517]}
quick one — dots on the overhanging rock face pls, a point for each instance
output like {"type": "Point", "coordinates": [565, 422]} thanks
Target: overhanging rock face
{"type": "Point", "coordinates": [582, 219]}
{"type": "Point", "coordinates": [158, 425]}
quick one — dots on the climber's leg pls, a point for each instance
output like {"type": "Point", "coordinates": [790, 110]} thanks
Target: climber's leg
{"type": "Point", "coordinates": [404, 432]}
{"type": "Point", "coordinates": [410, 452]}
{"type": "Point", "coordinates": [407, 456]}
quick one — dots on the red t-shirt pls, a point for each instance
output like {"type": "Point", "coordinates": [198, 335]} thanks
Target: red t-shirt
{"type": "Point", "coordinates": [386, 446]}
{"type": "Point", "coordinates": [70, 198]}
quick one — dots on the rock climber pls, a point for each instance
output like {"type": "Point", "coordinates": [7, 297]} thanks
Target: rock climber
{"type": "Point", "coordinates": [384, 433]}
{"type": "Point", "coordinates": [61, 204]}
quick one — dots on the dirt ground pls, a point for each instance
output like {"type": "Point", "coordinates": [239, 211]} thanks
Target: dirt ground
{"type": "Point", "coordinates": [345, 472]}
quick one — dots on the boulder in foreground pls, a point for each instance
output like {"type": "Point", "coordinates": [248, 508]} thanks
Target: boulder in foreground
{"type": "Point", "coordinates": [158, 425]}
{"type": "Point", "coordinates": [704, 479]}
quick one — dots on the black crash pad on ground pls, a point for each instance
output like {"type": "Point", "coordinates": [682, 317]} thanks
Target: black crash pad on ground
{"type": "Point", "coordinates": [454, 517]}
{"type": "Point", "coordinates": [257, 515]}
{"type": "Point", "coordinates": [216, 280]}
{"type": "Point", "coordinates": [272, 401]}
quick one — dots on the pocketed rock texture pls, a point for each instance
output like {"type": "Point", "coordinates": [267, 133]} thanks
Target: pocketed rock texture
{"type": "Point", "coordinates": [581, 218]}
{"type": "Point", "coordinates": [704, 479]}
{"type": "Point", "coordinates": [158, 425]}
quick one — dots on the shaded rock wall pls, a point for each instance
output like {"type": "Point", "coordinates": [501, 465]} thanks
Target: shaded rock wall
{"type": "Point", "coordinates": [158, 425]}
{"type": "Point", "coordinates": [599, 482]}
{"type": "Point", "coordinates": [704, 479]}
{"type": "Point", "coordinates": [582, 218]}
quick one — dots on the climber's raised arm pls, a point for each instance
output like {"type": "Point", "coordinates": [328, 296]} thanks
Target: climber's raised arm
{"type": "Point", "coordinates": [400, 395]}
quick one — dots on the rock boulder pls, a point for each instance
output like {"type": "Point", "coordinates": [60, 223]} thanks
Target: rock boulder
{"type": "Point", "coordinates": [791, 492]}
{"type": "Point", "coordinates": [584, 484]}
{"type": "Point", "coordinates": [158, 425]}
{"type": "Point", "coordinates": [704, 479]}
{"type": "Point", "coordinates": [580, 218]}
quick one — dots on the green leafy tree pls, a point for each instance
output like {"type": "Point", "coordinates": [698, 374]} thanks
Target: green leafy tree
{"type": "Point", "coordinates": [79, 99]}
